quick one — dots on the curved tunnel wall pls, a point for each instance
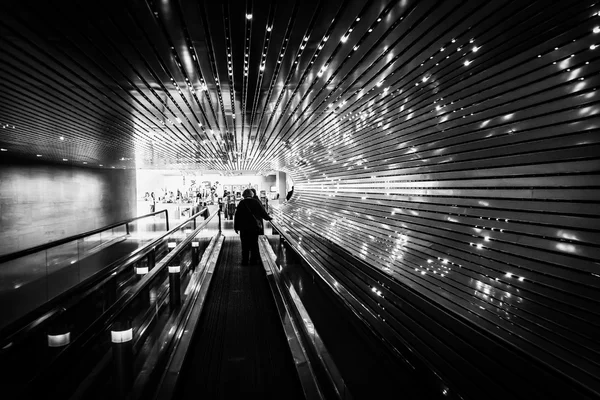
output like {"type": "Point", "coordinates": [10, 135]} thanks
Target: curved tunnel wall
{"type": "Point", "coordinates": [472, 184]}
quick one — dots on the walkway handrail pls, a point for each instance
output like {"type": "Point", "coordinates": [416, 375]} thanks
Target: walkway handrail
{"type": "Point", "coordinates": [53, 306]}
{"type": "Point", "coordinates": [46, 246]}
{"type": "Point", "coordinates": [104, 322]}
{"type": "Point", "coordinates": [331, 375]}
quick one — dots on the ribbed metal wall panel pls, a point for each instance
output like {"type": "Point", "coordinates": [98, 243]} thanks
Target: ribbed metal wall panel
{"type": "Point", "coordinates": [472, 185]}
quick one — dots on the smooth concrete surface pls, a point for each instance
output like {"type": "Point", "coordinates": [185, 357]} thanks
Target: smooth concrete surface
{"type": "Point", "coordinates": [281, 186]}
{"type": "Point", "coordinates": [43, 202]}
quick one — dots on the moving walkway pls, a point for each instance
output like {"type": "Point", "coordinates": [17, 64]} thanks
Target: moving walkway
{"type": "Point", "coordinates": [200, 324]}
{"type": "Point", "coordinates": [33, 346]}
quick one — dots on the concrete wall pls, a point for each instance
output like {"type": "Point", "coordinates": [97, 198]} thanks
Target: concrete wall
{"type": "Point", "coordinates": [41, 202]}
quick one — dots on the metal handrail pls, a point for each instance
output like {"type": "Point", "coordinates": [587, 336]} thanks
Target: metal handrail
{"type": "Point", "coordinates": [314, 342]}
{"type": "Point", "coordinates": [93, 280]}
{"type": "Point", "coordinates": [189, 319]}
{"type": "Point", "coordinates": [345, 295]}
{"type": "Point", "coordinates": [294, 327]}
{"type": "Point", "coordinates": [104, 322]}
{"type": "Point", "coordinates": [46, 246]}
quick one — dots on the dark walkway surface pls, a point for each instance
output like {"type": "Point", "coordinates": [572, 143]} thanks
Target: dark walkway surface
{"type": "Point", "coordinates": [240, 349]}
{"type": "Point", "coordinates": [26, 287]}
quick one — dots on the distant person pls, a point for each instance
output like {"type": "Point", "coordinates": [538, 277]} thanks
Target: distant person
{"type": "Point", "coordinates": [247, 217]}
{"type": "Point", "coordinates": [206, 213]}
{"type": "Point", "coordinates": [290, 194]}
{"type": "Point", "coordinates": [230, 206]}
{"type": "Point", "coordinates": [153, 205]}
{"type": "Point", "coordinates": [197, 203]}
{"type": "Point", "coordinates": [220, 203]}
{"type": "Point", "coordinates": [264, 200]}
{"type": "Point", "coordinates": [226, 204]}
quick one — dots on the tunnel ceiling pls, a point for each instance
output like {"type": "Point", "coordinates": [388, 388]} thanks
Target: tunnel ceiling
{"type": "Point", "coordinates": [256, 86]}
{"type": "Point", "coordinates": [211, 85]}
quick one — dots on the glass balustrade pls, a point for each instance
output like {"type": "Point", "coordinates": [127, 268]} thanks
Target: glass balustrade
{"type": "Point", "coordinates": [33, 279]}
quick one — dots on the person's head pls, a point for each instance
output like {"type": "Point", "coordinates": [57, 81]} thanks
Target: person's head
{"type": "Point", "coordinates": [248, 194]}
{"type": "Point", "coordinates": [253, 192]}
{"type": "Point", "coordinates": [292, 188]}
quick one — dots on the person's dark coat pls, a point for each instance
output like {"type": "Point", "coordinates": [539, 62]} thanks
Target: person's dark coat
{"type": "Point", "coordinates": [289, 194]}
{"type": "Point", "coordinates": [244, 219]}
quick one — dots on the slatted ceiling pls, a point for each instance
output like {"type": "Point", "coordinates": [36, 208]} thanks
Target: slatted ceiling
{"type": "Point", "coordinates": [164, 44]}
{"type": "Point", "coordinates": [202, 98]}
{"type": "Point", "coordinates": [309, 73]}
{"type": "Point", "coordinates": [272, 100]}
{"type": "Point", "coordinates": [56, 111]}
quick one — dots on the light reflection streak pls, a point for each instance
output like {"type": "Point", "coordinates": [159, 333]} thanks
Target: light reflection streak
{"type": "Point", "coordinates": [569, 248]}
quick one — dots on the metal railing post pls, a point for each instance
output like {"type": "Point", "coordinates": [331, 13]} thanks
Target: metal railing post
{"type": "Point", "coordinates": [174, 285]}
{"type": "Point", "coordinates": [195, 257]}
{"type": "Point", "coordinates": [59, 334]}
{"type": "Point", "coordinates": [121, 335]}
{"type": "Point", "coordinates": [152, 258]}
{"type": "Point", "coordinates": [219, 212]}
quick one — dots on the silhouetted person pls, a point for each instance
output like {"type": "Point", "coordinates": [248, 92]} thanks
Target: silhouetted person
{"type": "Point", "coordinates": [153, 205]}
{"type": "Point", "coordinates": [290, 194]}
{"type": "Point", "coordinates": [229, 205]}
{"type": "Point", "coordinates": [249, 214]}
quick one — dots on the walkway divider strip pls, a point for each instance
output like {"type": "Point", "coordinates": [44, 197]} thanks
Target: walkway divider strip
{"type": "Point", "coordinates": [301, 331]}
{"type": "Point", "coordinates": [198, 288]}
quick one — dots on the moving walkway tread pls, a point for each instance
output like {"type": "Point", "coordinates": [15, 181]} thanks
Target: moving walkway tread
{"type": "Point", "coordinates": [240, 347]}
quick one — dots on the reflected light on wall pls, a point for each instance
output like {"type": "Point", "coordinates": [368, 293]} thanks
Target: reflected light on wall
{"type": "Point", "coordinates": [569, 248]}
